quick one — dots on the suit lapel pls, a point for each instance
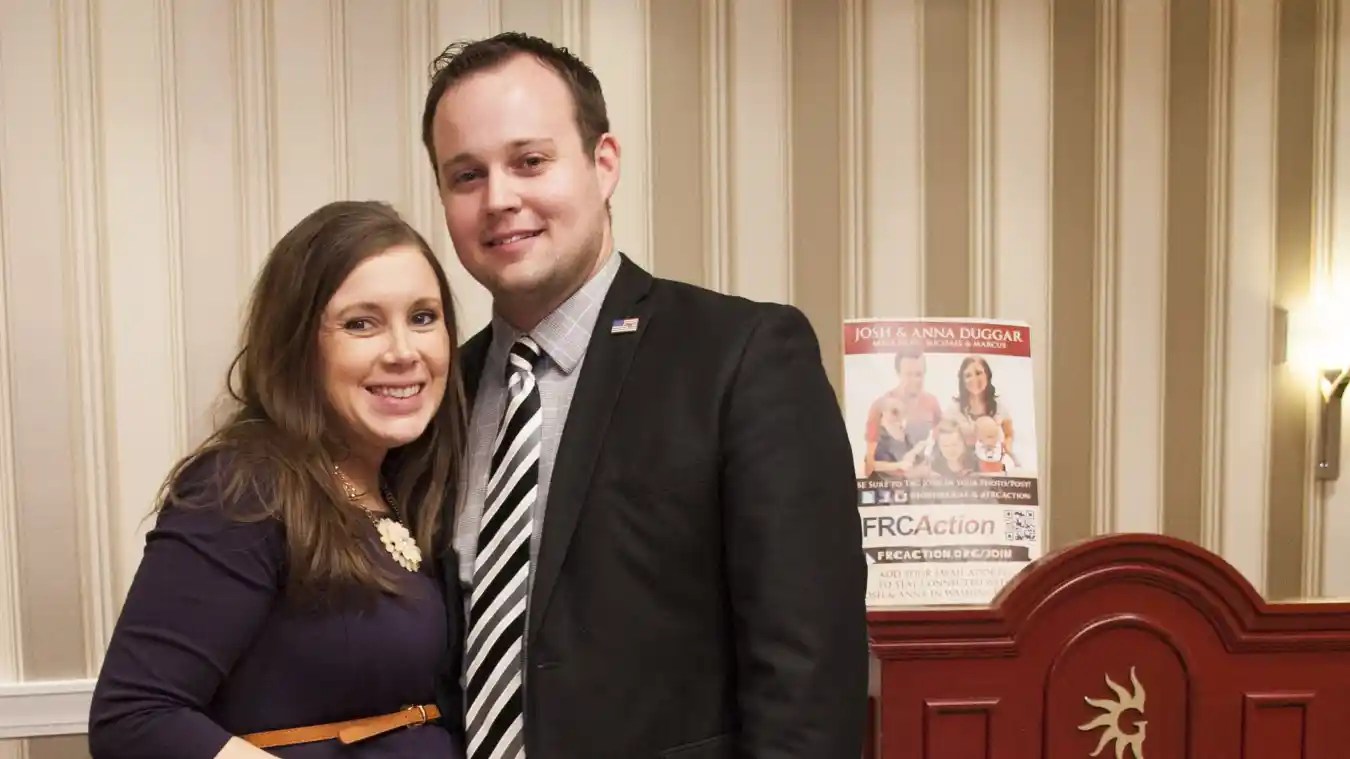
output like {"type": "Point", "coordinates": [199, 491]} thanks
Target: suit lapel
{"type": "Point", "coordinates": [472, 356]}
{"type": "Point", "coordinates": [608, 357]}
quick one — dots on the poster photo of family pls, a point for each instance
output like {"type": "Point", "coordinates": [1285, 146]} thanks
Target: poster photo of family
{"type": "Point", "coordinates": [941, 417]}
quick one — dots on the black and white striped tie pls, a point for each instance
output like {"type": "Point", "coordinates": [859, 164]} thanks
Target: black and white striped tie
{"type": "Point", "coordinates": [495, 713]}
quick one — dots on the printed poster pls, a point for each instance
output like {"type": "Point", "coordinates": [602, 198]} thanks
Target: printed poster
{"type": "Point", "coordinates": [941, 416]}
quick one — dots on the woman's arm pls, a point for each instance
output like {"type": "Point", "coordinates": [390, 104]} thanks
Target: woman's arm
{"type": "Point", "coordinates": [203, 589]}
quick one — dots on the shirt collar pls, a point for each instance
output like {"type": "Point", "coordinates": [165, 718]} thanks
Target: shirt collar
{"type": "Point", "coordinates": [564, 334]}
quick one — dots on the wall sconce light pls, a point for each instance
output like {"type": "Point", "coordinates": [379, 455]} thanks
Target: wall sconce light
{"type": "Point", "coordinates": [1317, 343]}
{"type": "Point", "coordinates": [1333, 383]}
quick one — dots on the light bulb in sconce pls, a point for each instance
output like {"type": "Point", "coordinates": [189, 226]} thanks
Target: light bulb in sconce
{"type": "Point", "coordinates": [1318, 339]}
{"type": "Point", "coordinates": [1318, 346]}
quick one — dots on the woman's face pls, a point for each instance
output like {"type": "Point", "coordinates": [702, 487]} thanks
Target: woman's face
{"type": "Point", "coordinates": [385, 350]}
{"type": "Point", "coordinates": [975, 377]}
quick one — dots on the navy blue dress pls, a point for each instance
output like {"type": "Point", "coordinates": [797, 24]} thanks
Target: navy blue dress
{"type": "Point", "coordinates": [209, 646]}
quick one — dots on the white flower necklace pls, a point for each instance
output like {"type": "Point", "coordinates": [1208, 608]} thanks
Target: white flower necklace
{"type": "Point", "coordinates": [395, 537]}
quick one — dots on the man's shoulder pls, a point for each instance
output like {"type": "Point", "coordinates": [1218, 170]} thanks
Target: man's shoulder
{"type": "Point", "coordinates": [478, 342]}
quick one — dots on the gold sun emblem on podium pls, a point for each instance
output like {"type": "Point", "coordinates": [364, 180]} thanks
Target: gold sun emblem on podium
{"type": "Point", "coordinates": [1110, 718]}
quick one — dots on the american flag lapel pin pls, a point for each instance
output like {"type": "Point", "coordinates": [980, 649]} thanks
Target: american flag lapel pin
{"type": "Point", "coordinates": [623, 325]}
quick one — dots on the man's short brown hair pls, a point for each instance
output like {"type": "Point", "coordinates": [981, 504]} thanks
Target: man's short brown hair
{"type": "Point", "coordinates": [462, 59]}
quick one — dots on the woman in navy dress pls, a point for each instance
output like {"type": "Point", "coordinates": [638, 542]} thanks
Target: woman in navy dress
{"type": "Point", "coordinates": [287, 603]}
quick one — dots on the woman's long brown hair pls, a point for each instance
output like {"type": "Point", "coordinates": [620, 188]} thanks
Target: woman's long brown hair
{"type": "Point", "coordinates": [279, 437]}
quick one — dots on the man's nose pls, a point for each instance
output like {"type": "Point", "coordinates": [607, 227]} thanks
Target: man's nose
{"type": "Point", "coordinates": [502, 194]}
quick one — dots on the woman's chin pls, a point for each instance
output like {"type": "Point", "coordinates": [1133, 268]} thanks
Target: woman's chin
{"type": "Point", "coordinates": [392, 434]}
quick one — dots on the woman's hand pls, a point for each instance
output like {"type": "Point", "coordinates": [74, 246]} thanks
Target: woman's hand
{"type": "Point", "coordinates": [238, 748]}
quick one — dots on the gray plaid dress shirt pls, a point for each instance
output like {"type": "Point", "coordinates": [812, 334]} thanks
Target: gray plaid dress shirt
{"type": "Point", "coordinates": [562, 336]}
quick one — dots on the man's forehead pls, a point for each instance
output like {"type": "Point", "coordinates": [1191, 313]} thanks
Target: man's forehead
{"type": "Point", "coordinates": [493, 113]}
{"type": "Point", "coordinates": [518, 75]}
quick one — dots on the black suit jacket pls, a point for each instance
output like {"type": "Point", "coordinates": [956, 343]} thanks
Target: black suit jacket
{"type": "Point", "coordinates": [699, 592]}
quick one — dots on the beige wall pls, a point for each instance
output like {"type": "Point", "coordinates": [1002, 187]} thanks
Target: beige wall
{"type": "Point", "coordinates": [1141, 180]}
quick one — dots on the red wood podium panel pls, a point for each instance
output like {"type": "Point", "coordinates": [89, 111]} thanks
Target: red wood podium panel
{"type": "Point", "coordinates": [1127, 647]}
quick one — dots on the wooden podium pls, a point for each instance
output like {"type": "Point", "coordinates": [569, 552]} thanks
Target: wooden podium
{"type": "Point", "coordinates": [1127, 646]}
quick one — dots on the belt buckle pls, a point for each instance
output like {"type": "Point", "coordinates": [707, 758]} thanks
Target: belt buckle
{"type": "Point", "coordinates": [422, 711]}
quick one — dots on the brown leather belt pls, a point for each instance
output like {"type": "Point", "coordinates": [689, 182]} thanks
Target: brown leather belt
{"type": "Point", "coordinates": [348, 732]}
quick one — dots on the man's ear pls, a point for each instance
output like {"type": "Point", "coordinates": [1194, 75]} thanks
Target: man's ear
{"type": "Point", "coordinates": [606, 159]}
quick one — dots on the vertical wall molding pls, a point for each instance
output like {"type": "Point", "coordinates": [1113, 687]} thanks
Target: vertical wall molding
{"type": "Point", "coordinates": [759, 148]}
{"type": "Point", "coordinates": [85, 239]}
{"type": "Point", "coordinates": [1323, 252]}
{"type": "Point", "coordinates": [1251, 289]}
{"type": "Point", "coordinates": [983, 123]}
{"type": "Point", "coordinates": [1043, 364]}
{"type": "Point", "coordinates": [1216, 273]}
{"type": "Point", "coordinates": [680, 139]}
{"type": "Point", "coordinates": [648, 201]}
{"type": "Point", "coordinates": [1160, 332]}
{"type": "Point", "coordinates": [173, 215]}
{"type": "Point", "coordinates": [892, 200]}
{"type": "Point", "coordinates": [11, 630]}
{"type": "Point", "coordinates": [1072, 467]}
{"type": "Point", "coordinates": [139, 337]}
{"type": "Point", "coordinates": [921, 139]}
{"type": "Point", "coordinates": [785, 65]}
{"type": "Point", "coordinates": [853, 149]}
{"type": "Point", "coordinates": [1191, 156]}
{"type": "Point", "coordinates": [575, 35]}
{"type": "Point", "coordinates": [949, 96]}
{"type": "Point", "coordinates": [1106, 252]}
{"type": "Point", "coordinates": [257, 169]}
{"type": "Point", "coordinates": [1290, 468]}
{"type": "Point", "coordinates": [337, 50]}
{"type": "Point", "coordinates": [1336, 498]}
{"type": "Point", "coordinates": [1141, 222]}
{"type": "Point", "coordinates": [419, 26]}
{"type": "Point", "coordinates": [623, 67]}
{"type": "Point", "coordinates": [716, 125]}
{"type": "Point", "coordinates": [819, 149]}
{"type": "Point", "coordinates": [648, 154]}
{"type": "Point", "coordinates": [1022, 168]}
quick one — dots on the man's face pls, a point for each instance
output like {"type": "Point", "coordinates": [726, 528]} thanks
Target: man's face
{"type": "Point", "coordinates": [910, 375]}
{"type": "Point", "coordinates": [524, 202]}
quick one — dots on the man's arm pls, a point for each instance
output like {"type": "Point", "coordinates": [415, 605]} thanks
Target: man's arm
{"type": "Point", "coordinates": [793, 550]}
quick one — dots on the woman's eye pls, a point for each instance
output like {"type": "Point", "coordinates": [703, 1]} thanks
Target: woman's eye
{"type": "Point", "coordinates": [357, 325]}
{"type": "Point", "coordinates": [425, 318]}
{"type": "Point", "coordinates": [464, 176]}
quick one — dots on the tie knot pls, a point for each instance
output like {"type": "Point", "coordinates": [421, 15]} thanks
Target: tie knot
{"type": "Point", "coordinates": [524, 357]}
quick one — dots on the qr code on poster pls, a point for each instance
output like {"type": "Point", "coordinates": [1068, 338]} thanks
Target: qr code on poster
{"type": "Point", "coordinates": [1019, 524]}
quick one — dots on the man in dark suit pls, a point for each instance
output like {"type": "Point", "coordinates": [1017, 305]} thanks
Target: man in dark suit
{"type": "Point", "coordinates": [657, 550]}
